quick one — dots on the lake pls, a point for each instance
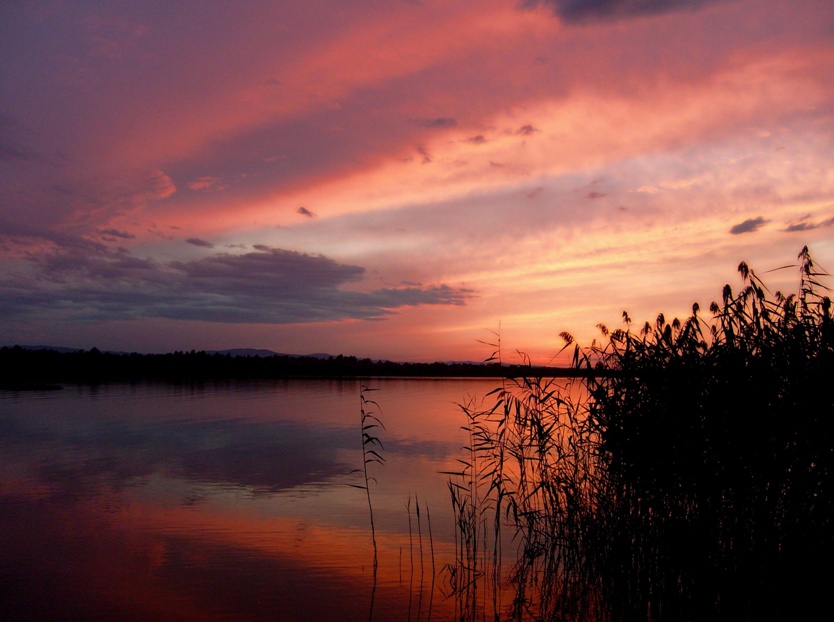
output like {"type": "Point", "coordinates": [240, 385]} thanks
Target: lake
{"type": "Point", "coordinates": [229, 501]}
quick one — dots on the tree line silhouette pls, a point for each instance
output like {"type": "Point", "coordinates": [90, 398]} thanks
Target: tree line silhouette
{"type": "Point", "coordinates": [41, 368]}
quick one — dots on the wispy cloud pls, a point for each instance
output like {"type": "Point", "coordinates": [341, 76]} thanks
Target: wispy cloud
{"type": "Point", "coordinates": [115, 233]}
{"type": "Point", "coordinates": [804, 225]}
{"type": "Point", "coordinates": [305, 212]}
{"type": "Point", "coordinates": [207, 184]}
{"type": "Point", "coordinates": [200, 242]}
{"type": "Point", "coordinates": [426, 155]}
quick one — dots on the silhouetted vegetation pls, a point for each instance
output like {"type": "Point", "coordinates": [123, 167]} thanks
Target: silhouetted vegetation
{"type": "Point", "coordinates": [37, 368]}
{"type": "Point", "coordinates": [690, 481]}
{"type": "Point", "coordinates": [371, 425]}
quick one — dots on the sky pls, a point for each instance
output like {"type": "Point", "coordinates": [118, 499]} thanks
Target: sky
{"type": "Point", "coordinates": [402, 179]}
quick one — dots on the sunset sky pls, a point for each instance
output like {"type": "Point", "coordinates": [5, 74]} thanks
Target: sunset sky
{"type": "Point", "coordinates": [397, 178]}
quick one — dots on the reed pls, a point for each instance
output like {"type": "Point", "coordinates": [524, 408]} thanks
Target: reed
{"type": "Point", "coordinates": [687, 477]}
{"type": "Point", "coordinates": [370, 425]}
{"type": "Point", "coordinates": [371, 446]}
{"type": "Point", "coordinates": [421, 590]}
{"type": "Point", "coordinates": [471, 499]}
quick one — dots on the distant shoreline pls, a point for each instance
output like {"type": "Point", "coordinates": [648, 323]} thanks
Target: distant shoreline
{"type": "Point", "coordinates": [45, 369]}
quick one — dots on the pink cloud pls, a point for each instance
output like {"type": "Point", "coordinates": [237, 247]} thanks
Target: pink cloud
{"type": "Point", "coordinates": [420, 132]}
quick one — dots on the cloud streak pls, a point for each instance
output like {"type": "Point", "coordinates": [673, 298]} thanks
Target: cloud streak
{"type": "Point", "coordinates": [199, 242]}
{"type": "Point", "coordinates": [804, 225]}
{"type": "Point", "coordinates": [584, 11]}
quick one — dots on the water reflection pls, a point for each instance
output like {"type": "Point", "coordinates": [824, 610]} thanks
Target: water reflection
{"type": "Point", "coordinates": [222, 502]}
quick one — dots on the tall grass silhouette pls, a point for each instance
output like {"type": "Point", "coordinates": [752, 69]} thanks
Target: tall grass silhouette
{"type": "Point", "coordinates": [419, 607]}
{"type": "Point", "coordinates": [370, 425]}
{"type": "Point", "coordinates": [687, 476]}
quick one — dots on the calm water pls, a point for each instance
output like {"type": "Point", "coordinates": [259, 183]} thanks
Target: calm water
{"type": "Point", "coordinates": [226, 502]}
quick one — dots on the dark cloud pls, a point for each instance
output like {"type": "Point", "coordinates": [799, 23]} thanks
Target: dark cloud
{"type": "Point", "coordinates": [438, 123]}
{"type": "Point", "coordinates": [584, 11]}
{"type": "Point", "coordinates": [477, 140]}
{"type": "Point", "coordinates": [748, 226]}
{"type": "Point", "coordinates": [199, 242]}
{"type": "Point", "coordinates": [24, 232]}
{"type": "Point", "coordinates": [426, 155]}
{"type": "Point", "coordinates": [526, 130]}
{"type": "Point", "coordinates": [305, 212]}
{"type": "Point", "coordinates": [595, 195]}
{"type": "Point", "coordinates": [413, 296]}
{"type": "Point", "coordinates": [804, 225]}
{"type": "Point", "coordinates": [273, 270]}
{"type": "Point", "coordinates": [91, 269]}
{"type": "Point", "coordinates": [269, 285]}
{"type": "Point", "coordinates": [115, 233]}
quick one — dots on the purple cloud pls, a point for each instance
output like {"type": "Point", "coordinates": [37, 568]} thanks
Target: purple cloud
{"type": "Point", "coordinates": [438, 123]}
{"type": "Point", "coordinates": [305, 212]}
{"type": "Point", "coordinates": [269, 286]}
{"type": "Point", "coordinates": [583, 11]}
{"type": "Point", "coordinates": [199, 242]}
{"type": "Point", "coordinates": [808, 226]}
{"type": "Point", "coordinates": [115, 233]}
{"type": "Point", "coordinates": [748, 226]}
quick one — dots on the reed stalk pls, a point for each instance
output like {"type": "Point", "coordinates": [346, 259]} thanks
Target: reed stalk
{"type": "Point", "coordinates": [370, 424]}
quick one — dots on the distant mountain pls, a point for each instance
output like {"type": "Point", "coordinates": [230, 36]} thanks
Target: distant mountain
{"type": "Point", "coordinates": [53, 348]}
{"type": "Point", "coordinates": [253, 352]}
{"type": "Point", "coordinates": [259, 352]}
